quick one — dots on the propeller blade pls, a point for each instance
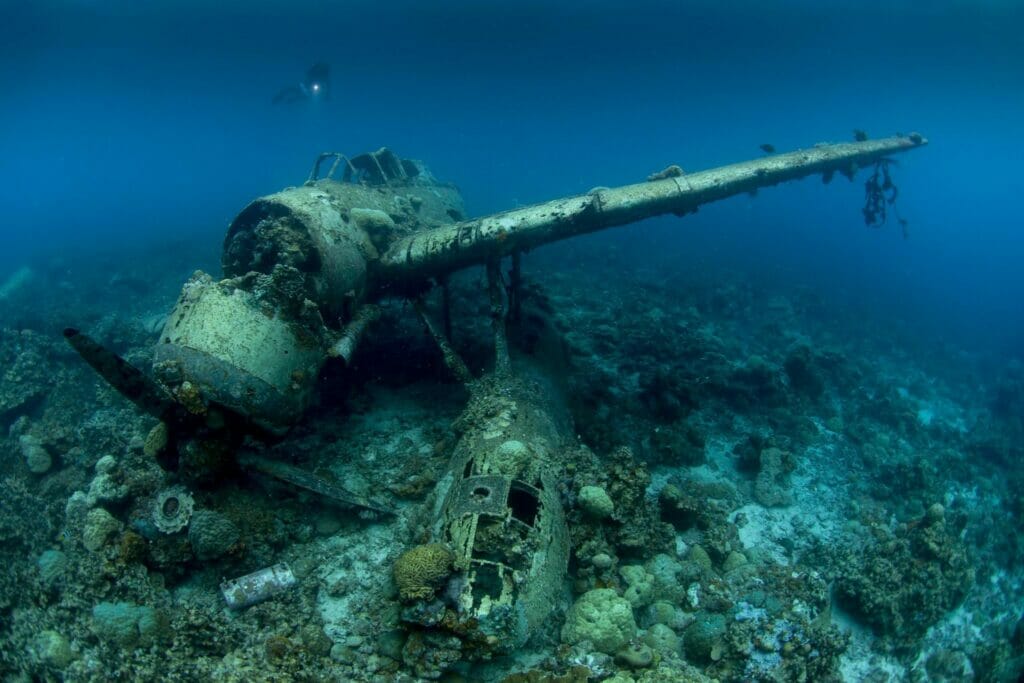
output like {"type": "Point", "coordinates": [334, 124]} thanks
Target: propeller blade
{"type": "Point", "coordinates": [126, 378]}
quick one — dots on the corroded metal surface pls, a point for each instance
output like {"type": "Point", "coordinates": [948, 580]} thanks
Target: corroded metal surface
{"type": "Point", "coordinates": [311, 482]}
{"type": "Point", "coordinates": [442, 250]}
{"type": "Point", "coordinates": [258, 586]}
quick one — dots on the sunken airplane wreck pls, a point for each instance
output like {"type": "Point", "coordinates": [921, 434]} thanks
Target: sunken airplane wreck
{"type": "Point", "coordinates": [303, 269]}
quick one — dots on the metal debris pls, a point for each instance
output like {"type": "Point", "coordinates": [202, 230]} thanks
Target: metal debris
{"type": "Point", "coordinates": [311, 482]}
{"type": "Point", "coordinates": [257, 587]}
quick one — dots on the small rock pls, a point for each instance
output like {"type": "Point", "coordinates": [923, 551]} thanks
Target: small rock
{"type": "Point", "coordinates": [100, 525]}
{"type": "Point", "coordinates": [327, 524]}
{"type": "Point", "coordinates": [635, 656]}
{"type": "Point", "coordinates": [36, 457]}
{"type": "Point", "coordinates": [126, 624]}
{"type": "Point", "coordinates": [211, 534]}
{"type": "Point", "coordinates": [105, 465]}
{"type": "Point", "coordinates": [390, 644]}
{"type": "Point", "coordinates": [662, 639]}
{"type": "Point", "coordinates": [700, 557]}
{"type": "Point", "coordinates": [51, 564]}
{"type": "Point", "coordinates": [52, 649]}
{"type": "Point", "coordinates": [104, 488]}
{"type": "Point", "coordinates": [733, 560]}
{"type": "Point", "coordinates": [595, 501]}
{"type": "Point", "coordinates": [935, 514]}
{"type": "Point", "coordinates": [701, 637]}
{"type": "Point", "coordinates": [156, 440]}
{"type": "Point", "coordinates": [77, 506]}
{"type": "Point", "coordinates": [603, 618]}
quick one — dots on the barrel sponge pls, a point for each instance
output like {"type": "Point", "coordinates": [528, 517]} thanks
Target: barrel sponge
{"type": "Point", "coordinates": [603, 618]}
{"type": "Point", "coordinates": [420, 571]}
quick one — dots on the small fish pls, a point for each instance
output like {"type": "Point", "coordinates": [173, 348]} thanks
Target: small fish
{"type": "Point", "coordinates": [859, 135]}
{"type": "Point", "coordinates": [768, 149]}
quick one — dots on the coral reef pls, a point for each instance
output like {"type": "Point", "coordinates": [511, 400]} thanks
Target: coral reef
{"type": "Point", "coordinates": [903, 583]}
{"type": "Point", "coordinates": [742, 448]}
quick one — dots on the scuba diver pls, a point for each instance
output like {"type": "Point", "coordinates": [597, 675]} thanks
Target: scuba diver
{"type": "Point", "coordinates": [315, 86]}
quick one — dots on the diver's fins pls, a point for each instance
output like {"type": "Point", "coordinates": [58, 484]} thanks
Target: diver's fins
{"type": "Point", "coordinates": [123, 376]}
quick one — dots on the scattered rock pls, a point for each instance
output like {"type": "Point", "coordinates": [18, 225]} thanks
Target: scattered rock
{"type": "Point", "coordinates": [603, 618]}
{"type": "Point", "coordinates": [100, 525]}
{"type": "Point", "coordinates": [211, 534]}
{"type": "Point", "coordinates": [596, 502]}
{"type": "Point", "coordinates": [635, 656]}
{"type": "Point", "coordinates": [126, 624]}
{"type": "Point", "coordinates": [51, 649]}
{"type": "Point", "coordinates": [701, 637]}
{"type": "Point", "coordinates": [37, 458]}
{"type": "Point", "coordinates": [662, 639]}
{"type": "Point", "coordinates": [52, 564]}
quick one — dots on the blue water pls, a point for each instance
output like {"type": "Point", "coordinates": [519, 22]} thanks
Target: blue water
{"type": "Point", "coordinates": [137, 123]}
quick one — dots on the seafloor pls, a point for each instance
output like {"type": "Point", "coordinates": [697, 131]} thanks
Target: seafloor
{"type": "Point", "coordinates": [799, 491]}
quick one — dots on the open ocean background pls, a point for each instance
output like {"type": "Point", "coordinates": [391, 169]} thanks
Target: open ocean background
{"type": "Point", "coordinates": [127, 126]}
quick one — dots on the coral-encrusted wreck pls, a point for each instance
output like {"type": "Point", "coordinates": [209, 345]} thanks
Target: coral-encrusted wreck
{"type": "Point", "coordinates": [303, 269]}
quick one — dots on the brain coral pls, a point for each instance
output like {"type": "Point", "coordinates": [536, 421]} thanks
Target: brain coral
{"type": "Point", "coordinates": [420, 571]}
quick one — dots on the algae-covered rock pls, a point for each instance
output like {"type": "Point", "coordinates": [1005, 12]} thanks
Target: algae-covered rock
{"type": "Point", "coordinates": [36, 457]}
{"type": "Point", "coordinates": [420, 571]}
{"type": "Point", "coordinates": [127, 624]}
{"type": "Point", "coordinates": [681, 444]}
{"type": "Point", "coordinates": [26, 369]}
{"type": "Point", "coordinates": [105, 488]}
{"type": "Point", "coordinates": [701, 637]}
{"type": "Point", "coordinates": [635, 656]}
{"type": "Point", "coordinates": [105, 465]}
{"type": "Point", "coordinates": [700, 557]}
{"type": "Point", "coordinates": [596, 502]}
{"type": "Point", "coordinates": [661, 612]}
{"type": "Point", "coordinates": [902, 585]}
{"type": "Point", "coordinates": [662, 639]}
{"type": "Point", "coordinates": [665, 571]}
{"type": "Point", "coordinates": [803, 373]}
{"type": "Point", "coordinates": [211, 534]}
{"type": "Point", "coordinates": [640, 585]}
{"type": "Point", "coordinates": [510, 456]}
{"type": "Point", "coordinates": [51, 649]}
{"type": "Point", "coordinates": [603, 618]}
{"type": "Point", "coordinates": [772, 487]}
{"type": "Point", "coordinates": [156, 440]}
{"type": "Point", "coordinates": [100, 525]}
{"type": "Point", "coordinates": [734, 560]}
{"type": "Point", "coordinates": [51, 564]}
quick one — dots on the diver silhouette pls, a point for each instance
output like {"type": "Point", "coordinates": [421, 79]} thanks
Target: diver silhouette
{"type": "Point", "coordinates": [315, 86]}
